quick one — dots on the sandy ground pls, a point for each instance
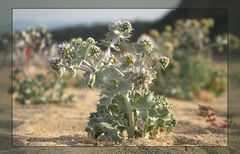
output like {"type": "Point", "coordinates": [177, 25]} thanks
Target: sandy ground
{"type": "Point", "coordinates": [52, 125]}
{"type": "Point", "coordinates": [39, 129]}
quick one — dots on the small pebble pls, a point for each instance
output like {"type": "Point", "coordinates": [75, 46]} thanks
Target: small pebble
{"type": "Point", "coordinates": [207, 132]}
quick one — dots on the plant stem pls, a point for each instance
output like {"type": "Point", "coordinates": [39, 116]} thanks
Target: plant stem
{"type": "Point", "coordinates": [130, 129]}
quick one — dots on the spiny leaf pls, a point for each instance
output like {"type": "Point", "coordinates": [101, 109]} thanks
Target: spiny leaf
{"type": "Point", "coordinates": [112, 132]}
{"type": "Point", "coordinates": [143, 104]}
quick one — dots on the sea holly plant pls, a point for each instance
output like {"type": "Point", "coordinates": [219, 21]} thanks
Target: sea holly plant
{"type": "Point", "coordinates": [33, 40]}
{"type": "Point", "coordinates": [127, 107]}
{"type": "Point", "coordinates": [32, 43]}
{"type": "Point", "coordinates": [30, 87]}
{"type": "Point", "coordinates": [39, 89]}
{"type": "Point", "coordinates": [190, 45]}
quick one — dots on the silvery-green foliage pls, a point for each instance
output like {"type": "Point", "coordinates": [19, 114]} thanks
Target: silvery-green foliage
{"type": "Point", "coordinates": [126, 103]}
{"type": "Point", "coordinates": [39, 40]}
{"type": "Point", "coordinates": [32, 43]}
{"type": "Point", "coordinates": [38, 89]}
{"type": "Point", "coordinates": [189, 44]}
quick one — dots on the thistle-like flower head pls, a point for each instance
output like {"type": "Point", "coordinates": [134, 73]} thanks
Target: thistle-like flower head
{"type": "Point", "coordinates": [67, 52]}
{"type": "Point", "coordinates": [164, 61]}
{"type": "Point", "coordinates": [119, 31]}
{"type": "Point", "coordinates": [94, 51]}
{"type": "Point", "coordinates": [91, 41]}
{"type": "Point", "coordinates": [127, 26]}
{"type": "Point", "coordinates": [147, 43]}
{"type": "Point", "coordinates": [129, 59]}
{"type": "Point", "coordinates": [121, 27]}
{"type": "Point", "coordinates": [55, 64]}
{"type": "Point", "coordinates": [78, 42]}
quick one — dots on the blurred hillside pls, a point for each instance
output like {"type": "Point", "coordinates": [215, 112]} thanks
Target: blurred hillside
{"type": "Point", "coordinates": [96, 31]}
{"type": "Point", "coordinates": [231, 6]}
{"type": "Point", "coordinates": [219, 15]}
{"type": "Point", "coordinates": [186, 9]}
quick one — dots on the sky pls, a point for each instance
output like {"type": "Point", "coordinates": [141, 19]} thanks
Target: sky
{"type": "Point", "coordinates": [56, 18]}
